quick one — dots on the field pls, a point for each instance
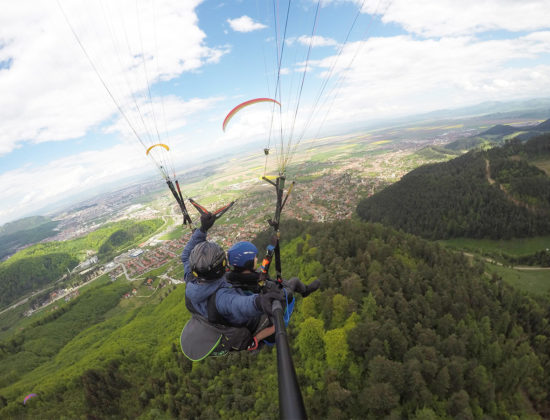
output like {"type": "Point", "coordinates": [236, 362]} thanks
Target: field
{"type": "Point", "coordinates": [543, 164]}
{"type": "Point", "coordinates": [531, 281]}
{"type": "Point", "coordinates": [514, 247]}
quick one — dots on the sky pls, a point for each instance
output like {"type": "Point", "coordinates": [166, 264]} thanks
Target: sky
{"type": "Point", "coordinates": [86, 87]}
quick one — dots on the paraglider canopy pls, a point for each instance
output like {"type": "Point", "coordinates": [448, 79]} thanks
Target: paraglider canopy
{"type": "Point", "coordinates": [155, 145]}
{"type": "Point", "coordinates": [244, 105]}
{"type": "Point", "coordinates": [28, 397]}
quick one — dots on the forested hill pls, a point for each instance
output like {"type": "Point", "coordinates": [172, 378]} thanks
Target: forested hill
{"type": "Point", "coordinates": [22, 224]}
{"type": "Point", "coordinates": [499, 134]}
{"type": "Point", "coordinates": [401, 328]}
{"type": "Point", "coordinates": [498, 193]}
{"type": "Point", "coordinates": [29, 230]}
{"type": "Point", "coordinates": [38, 266]}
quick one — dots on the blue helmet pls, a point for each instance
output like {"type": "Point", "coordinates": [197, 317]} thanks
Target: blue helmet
{"type": "Point", "coordinates": [241, 255]}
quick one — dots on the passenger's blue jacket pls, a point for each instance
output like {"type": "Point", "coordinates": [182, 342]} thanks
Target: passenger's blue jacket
{"type": "Point", "coordinates": [232, 303]}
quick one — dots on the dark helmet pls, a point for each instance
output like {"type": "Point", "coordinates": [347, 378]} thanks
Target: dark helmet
{"type": "Point", "coordinates": [241, 255]}
{"type": "Point", "coordinates": [208, 260]}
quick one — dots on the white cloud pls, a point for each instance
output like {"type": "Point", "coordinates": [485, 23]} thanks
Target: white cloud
{"type": "Point", "coordinates": [66, 176]}
{"type": "Point", "coordinates": [285, 71]}
{"type": "Point", "coordinates": [403, 75]}
{"type": "Point", "coordinates": [315, 41]}
{"type": "Point", "coordinates": [50, 92]}
{"type": "Point", "coordinates": [245, 24]}
{"type": "Point", "coordinates": [168, 114]}
{"type": "Point", "coordinates": [435, 18]}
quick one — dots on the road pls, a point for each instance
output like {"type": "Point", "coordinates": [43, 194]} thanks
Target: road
{"type": "Point", "coordinates": [169, 228]}
{"type": "Point", "coordinates": [517, 267]}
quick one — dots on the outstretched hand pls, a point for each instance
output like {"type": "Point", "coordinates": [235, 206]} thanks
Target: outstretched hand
{"type": "Point", "coordinates": [207, 221]}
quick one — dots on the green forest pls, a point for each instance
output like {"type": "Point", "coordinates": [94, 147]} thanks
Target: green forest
{"type": "Point", "coordinates": [28, 274]}
{"type": "Point", "coordinates": [91, 241]}
{"type": "Point", "coordinates": [44, 263]}
{"type": "Point", "coordinates": [498, 135]}
{"type": "Point", "coordinates": [126, 235]}
{"type": "Point", "coordinates": [23, 232]}
{"type": "Point", "coordinates": [496, 194]}
{"type": "Point", "coordinates": [401, 328]}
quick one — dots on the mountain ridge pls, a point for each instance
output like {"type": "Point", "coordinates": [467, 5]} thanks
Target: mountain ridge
{"type": "Point", "coordinates": [499, 134]}
{"type": "Point", "coordinates": [457, 198]}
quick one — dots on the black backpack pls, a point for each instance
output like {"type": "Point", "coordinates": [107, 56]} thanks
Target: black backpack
{"type": "Point", "coordinates": [202, 337]}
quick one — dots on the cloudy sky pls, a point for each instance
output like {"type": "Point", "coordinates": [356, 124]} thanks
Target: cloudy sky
{"type": "Point", "coordinates": [86, 87]}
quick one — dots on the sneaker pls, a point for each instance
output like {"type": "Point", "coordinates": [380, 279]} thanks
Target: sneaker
{"type": "Point", "coordinates": [312, 287]}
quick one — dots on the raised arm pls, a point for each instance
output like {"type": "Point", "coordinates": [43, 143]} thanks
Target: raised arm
{"type": "Point", "coordinates": [197, 237]}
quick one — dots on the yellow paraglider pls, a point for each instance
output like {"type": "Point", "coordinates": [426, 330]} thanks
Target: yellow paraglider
{"type": "Point", "coordinates": [155, 145]}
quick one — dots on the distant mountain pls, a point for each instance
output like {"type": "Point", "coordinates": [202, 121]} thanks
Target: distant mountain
{"type": "Point", "coordinates": [22, 224]}
{"type": "Point", "coordinates": [22, 232]}
{"type": "Point", "coordinates": [496, 193]}
{"type": "Point", "coordinates": [436, 152]}
{"type": "Point", "coordinates": [500, 129]}
{"type": "Point", "coordinates": [498, 135]}
{"type": "Point", "coordinates": [544, 126]}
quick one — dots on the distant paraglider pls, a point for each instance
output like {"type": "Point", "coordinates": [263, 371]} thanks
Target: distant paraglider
{"type": "Point", "coordinates": [155, 145]}
{"type": "Point", "coordinates": [130, 84]}
{"type": "Point", "coordinates": [244, 105]}
{"type": "Point", "coordinates": [28, 397]}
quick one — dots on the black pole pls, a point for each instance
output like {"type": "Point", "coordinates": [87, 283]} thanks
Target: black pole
{"type": "Point", "coordinates": [186, 217]}
{"type": "Point", "coordinates": [280, 185]}
{"type": "Point", "coordinates": [291, 404]}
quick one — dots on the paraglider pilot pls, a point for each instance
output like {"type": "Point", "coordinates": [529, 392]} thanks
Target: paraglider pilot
{"type": "Point", "coordinates": [229, 312]}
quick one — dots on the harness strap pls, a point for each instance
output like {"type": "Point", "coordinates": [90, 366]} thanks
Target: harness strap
{"type": "Point", "coordinates": [214, 315]}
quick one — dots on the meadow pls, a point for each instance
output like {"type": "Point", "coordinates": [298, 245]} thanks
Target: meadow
{"type": "Point", "coordinates": [494, 248]}
{"type": "Point", "coordinates": [536, 282]}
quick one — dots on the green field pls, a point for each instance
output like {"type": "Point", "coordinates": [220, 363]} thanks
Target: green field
{"type": "Point", "coordinates": [543, 164]}
{"type": "Point", "coordinates": [536, 281]}
{"type": "Point", "coordinates": [513, 247]}
{"type": "Point", "coordinates": [531, 281]}
{"type": "Point", "coordinates": [175, 234]}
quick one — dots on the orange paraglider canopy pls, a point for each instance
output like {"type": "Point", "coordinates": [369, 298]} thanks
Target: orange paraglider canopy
{"type": "Point", "coordinates": [244, 105]}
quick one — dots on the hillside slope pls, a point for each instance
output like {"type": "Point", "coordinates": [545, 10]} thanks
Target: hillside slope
{"type": "Point", "coordinates": [482, 194]}
{"type": "Point", "coordinates": [400, 327]}
{"type": "Point", "coordinates": [498, 135]}
{"type": "Point", "coordinates": [15, 235]}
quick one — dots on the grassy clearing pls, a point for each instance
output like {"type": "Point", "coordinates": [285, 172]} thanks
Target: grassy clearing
{"type": "Point", "coordinates": [543, 164]}
{"type": "Point", "coordinates": [174, 234]}
{"type": "Point", "coordinates": [513, 247]}
{"type": "Point", "coordinates": [12, 320]}
{"type": "Point", "coordinates": [531, 281]}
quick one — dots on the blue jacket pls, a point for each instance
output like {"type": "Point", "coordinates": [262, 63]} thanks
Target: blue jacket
{"type": "Point", "coordinates": [232, 303]}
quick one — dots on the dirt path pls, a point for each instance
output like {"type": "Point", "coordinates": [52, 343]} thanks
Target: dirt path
{"type": "Point", "coordinates": [488, 172]}
{"type": "Point", "coordinates": [503, 189]}
{"type": "Point", "coordinates": [517, 267]}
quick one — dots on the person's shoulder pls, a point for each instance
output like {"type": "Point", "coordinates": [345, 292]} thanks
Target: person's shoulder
{"type": "Point", "coordinates": [227, 288]}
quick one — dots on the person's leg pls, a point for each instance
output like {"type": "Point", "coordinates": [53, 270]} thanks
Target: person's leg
{"type": "Point", "coordinates": [266, 332]}
{"type": "Point", "coordinates": [259, 324]}
{"type": "Point", "coordinates": [296, 285]}
{"type": "Point", "coordinates": [263, 328]}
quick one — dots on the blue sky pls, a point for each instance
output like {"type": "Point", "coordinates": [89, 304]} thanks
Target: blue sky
{"type": "Point", "coordinates": [61, 133]}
